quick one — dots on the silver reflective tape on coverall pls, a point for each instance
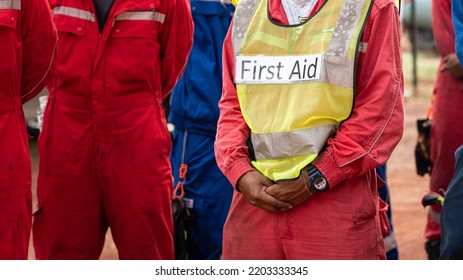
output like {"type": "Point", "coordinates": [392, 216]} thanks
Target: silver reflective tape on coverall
{"type": "Point", "coordinates": [390, 242]}
{"type": "Point", "coordinates": [142, 15]}
{"type": "Point", "coordinates": [10, 4]}
{"type": "Point", "coordinates": [303, 142]}
{"type": "Point", "coordinates": [73, 12]}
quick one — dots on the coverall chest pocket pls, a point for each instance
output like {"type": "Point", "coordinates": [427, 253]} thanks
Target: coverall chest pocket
{"type": "Point", "coordinates": [131, 29]}
{"type": "Point", "coordinates": [72, 59]}
{"type": "Point", "coordinates": [133, 50]}
{"type": "Point", "coordinates": [68, 26]}
{"type": "Point", "coordinates": [8, 20]}
{"type": "Point", "coordinates": [70, 34]}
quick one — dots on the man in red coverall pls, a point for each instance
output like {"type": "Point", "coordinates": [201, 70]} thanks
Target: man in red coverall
{"type": "Point", "coordinates": [104, 148]}
{"type": "Point", "coordinates": [27, 47]}
{"type": "Point", "coordinates": [328, 207]}
{"type": "Point", "coordinates": [446, 130]}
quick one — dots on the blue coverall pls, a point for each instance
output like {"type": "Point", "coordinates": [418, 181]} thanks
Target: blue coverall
{"type": "Point", "coordinates": [392, 252]}
{"type": "Point", "coordinates": [194, 113]}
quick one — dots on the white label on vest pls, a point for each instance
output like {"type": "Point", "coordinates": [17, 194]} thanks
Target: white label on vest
{"type": "Point", "coordinates": [277, 69]}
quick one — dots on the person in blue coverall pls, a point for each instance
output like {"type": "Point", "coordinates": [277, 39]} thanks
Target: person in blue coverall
{"type": "Point", "coordinates": [457, 19]}
{"type": "Point", "coordinates": [194, 113]}
{"type": "Point", "coordinates": [451, 245]}
{"type": "Point", "coordinates": [390, 242]}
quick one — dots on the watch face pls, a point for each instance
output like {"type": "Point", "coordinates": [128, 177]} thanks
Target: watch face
{"type": "Point", "coordinates": [319, 183]}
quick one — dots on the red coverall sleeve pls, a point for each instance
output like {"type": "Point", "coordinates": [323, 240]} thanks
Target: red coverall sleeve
{"type": "Point", "coordinates": [176, 39]}
{"type": "Point", "coordinates": [368, 137]}
{"type": "Point", "coordinates": [39, 45]}
{"type": "Point", "coordinates": [443, 27]}
{"type": "Point", "coordinates": [231, 152]}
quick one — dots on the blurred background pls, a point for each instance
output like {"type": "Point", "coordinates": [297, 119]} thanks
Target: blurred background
{"type": "Point", "coordinates": [420, 62]}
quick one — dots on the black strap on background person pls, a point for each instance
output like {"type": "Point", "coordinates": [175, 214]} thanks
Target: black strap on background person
{"type": "Point", "coordinates": [423, 144]}
{"type": "Point", "coordinates": [102, 8]}
{"type": "Point", "coordinates": [180, 211]}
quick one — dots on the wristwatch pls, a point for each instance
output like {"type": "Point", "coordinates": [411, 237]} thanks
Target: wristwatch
{"type": "Point", "coordinates": [318, 182]}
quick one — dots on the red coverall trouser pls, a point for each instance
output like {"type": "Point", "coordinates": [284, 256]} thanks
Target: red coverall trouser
{"type": "Point", "coordinates": [15, 184]}
{"type": "Point", "coordinates": [316, 229]}
{"type": "Point", "coordinates": [27, 41]}
{"type": "Point", "coordinates": [101, 169]}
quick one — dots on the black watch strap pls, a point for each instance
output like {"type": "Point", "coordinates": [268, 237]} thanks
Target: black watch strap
{"type": "Point", "coordinates": [318, 182]}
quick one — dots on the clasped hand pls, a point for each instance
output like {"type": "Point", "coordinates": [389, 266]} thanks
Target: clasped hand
{"type": "Point", "coordinates": [452, 65]}
{"type": "Point", "coordinates": [274, 197]}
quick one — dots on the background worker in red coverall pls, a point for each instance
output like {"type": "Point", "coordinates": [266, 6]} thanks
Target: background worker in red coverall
{"type": "Point", "coordinates": [446, 130]}
{"type": "Point", "coordinates": [104, 148]}
{"type": "Point", "coordinates": [27, 47]}
{"type": "Point", "coordinates": [328, 207]}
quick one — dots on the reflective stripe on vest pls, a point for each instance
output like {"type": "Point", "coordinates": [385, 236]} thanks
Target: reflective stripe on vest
{"type": "Point", "coordinates": [10, 4]}
{"type": "Point", "coordinates": [397, 3]}
{"type": "Point", "coordinates": [75, 13]}
{"type": "Point", "coordinates": [295, 83]}
{"type": "Point", "coordinates": [303, 142]}
{"type": "Point", "coordinates": [142, 15]}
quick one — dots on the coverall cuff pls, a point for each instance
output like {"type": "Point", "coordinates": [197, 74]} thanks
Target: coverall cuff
{"type": "Point", "coordinates": [237, 169]}
{"type": "Point", "coordinates": [327, 165]}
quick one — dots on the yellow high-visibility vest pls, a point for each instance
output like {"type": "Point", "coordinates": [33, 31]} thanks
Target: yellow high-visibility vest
{"type": "Point", "coordinates": [295, 83]}
{"type": "Point", "coordinates": [396, 2]}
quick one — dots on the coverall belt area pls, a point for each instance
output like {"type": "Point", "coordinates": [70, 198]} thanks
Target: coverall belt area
{"type": "Point", "coordinates": [22, 75]}
{"type": "Point", "coordinates": [105, 145]}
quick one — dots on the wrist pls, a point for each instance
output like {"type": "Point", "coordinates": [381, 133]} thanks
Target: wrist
{"type": "Point", "coordinates": [304, 174]}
